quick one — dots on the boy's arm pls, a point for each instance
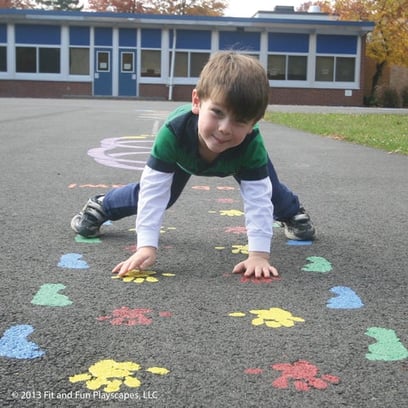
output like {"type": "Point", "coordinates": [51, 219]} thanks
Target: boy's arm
{"type": "Point", "coordinates": [259, 222]}
{"type": "Point", "coordinates": [154, 196]}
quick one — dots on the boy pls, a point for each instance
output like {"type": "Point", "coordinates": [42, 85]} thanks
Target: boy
{"type": "Point", "coordinates": [215, 136]}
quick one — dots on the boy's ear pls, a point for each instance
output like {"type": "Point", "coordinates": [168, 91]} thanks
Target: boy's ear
{"type": "Point", "coordinates": [195, 102]}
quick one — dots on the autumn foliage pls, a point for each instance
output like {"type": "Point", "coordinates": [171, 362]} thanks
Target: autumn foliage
{"type": "Point", "coordinates": [172, 7]}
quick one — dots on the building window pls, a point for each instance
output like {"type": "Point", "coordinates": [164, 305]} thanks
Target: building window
{"type": "Point", "coordinates": [345, 69]}
{"type": "Point", "coordinates": [3, 59]}
{"type": "Point", "coordinates": [26, 59]}
{"type": "Point", "coordinates": [49, 61]}
{"type": "Point", "coordinates": [338, 69]}
{"type": "Point", "coordinates": [78, 61]}
{"type": "Point", "coordinates": [287, 67]}
{"type": "Point", "coordinates": [127, 62]}
{"type": "Point", "coordinates": [150, 63]}
{"type": "Point", "coordinates": [103, 61]}
{"type": "Point", "coordinates": [38, 60]}
{"type": "Point", "coordinates": [189, 64]}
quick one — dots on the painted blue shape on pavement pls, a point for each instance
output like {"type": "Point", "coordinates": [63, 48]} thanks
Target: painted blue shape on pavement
{"type": "Point", "coordinates": [14, 343]}
{"type": "Point", "coordinates": [298, 243]}
{"type": "Point", "coordinates": [346, 299]}
{"type": "Point", "coordinates": [72, 261]}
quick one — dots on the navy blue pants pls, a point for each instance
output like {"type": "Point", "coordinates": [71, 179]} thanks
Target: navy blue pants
{"type": "Point", "coordinates": [122, 202]}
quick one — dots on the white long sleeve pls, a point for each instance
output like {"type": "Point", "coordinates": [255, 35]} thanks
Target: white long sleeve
{"type": "Point", "coordinates": [154, 195]}
{"type": "Point", "coordinates": [258, 209]}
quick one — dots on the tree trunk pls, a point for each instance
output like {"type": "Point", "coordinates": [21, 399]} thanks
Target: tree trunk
{"type": "Point", "coordinates": [379, 69]}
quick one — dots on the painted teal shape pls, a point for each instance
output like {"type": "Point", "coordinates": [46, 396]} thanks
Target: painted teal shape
{"type": "Point", "coordinates": [317, 264]}
{"type": "Point", "coordinates": [346, 299]}
{"type": "Point", "coordinates": [48, 295]}
{"type": "Point", "coordinates": [14, 343]}
{"type": "Point", "coordinates": [293, 242]}
{"type": "Point", "coordinates": [84, 240]}
{"type": "Point", "coordinates": [72, 261]}
{"type": "Point", "coordinates": [388, 346]}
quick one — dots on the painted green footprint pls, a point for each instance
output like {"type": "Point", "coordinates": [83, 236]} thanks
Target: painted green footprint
{"type": "Point", "coordinates": [317, 264]}
{"type": "Point", "coordinates": [48, 295]}
{"type": "Point", "coordinates": [388, 346]}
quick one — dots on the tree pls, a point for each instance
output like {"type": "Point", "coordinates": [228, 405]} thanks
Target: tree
{"type": "Point", "coordinates": [65, 5]}
{"type": "Point", "coordinates": [119, 6]}
{"type": "Point", "coordinates": [387, 44]}
{"type": "Point", "coordinates": [18, 4]}
{"type": "Point", "coordinates": [191, 7]}
{"type": "Point", "coordinates": [174, 7]}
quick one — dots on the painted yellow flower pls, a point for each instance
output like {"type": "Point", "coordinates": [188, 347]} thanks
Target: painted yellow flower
{"type": "Point", "coordinates": [138, 276]}
{"type": "Point", "coordinates": [111, 375]}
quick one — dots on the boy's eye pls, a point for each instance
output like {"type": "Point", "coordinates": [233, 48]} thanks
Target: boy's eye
{"type": "Point", "coordinates": [218, 112]}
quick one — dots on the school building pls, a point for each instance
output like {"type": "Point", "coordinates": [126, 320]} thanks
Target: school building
{"type": "Point", "coordinates": [311, 58]}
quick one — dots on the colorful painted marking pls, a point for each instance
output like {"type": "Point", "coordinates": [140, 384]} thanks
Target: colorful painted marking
{"type": "Point", "coordinates": [139, 277]}
{"type": "Point", "coordinates": [317, 264]}
{"type": "Point", "coordinates": [72, 261]}
{"type": "Point", "coordinates": [48, 295]}
{"type": "Point", "coordinates": [298, 243]}
{"type": "Point", "coordinates": [236, 230]}
{"type": "Point", "coordinates": [240, 249]}
{"type": "Point", "coordinates": [14, 343]}
{"type": "Point", "coordinates": [232, 213]}
{"type": "Point", "coordinates": [253, 279]}
{"type": "Point", "coordinates": [84, 240]}
{"type": "Point", "coordinates": [388, 346]}
{"type": "Point", "coordinates": [304, 376]}
{"type": "Point", "coordinates": [131, 317]}
{"type": "Point", "coordinates": [273, 317]}
{"type": "Point", "coordinates": [345, 298]}
{"type": "Point", "coordinates": [112, 375]}
{"type": "Point", "coordinates": [127, 152]}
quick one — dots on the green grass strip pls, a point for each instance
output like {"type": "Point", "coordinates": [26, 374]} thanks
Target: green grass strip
{"type": "Point", "coordinates": [388, 132]}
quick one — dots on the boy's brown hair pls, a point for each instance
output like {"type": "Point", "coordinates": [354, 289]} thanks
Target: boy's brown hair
{"type": "Point", "coordinates": [237, 80]}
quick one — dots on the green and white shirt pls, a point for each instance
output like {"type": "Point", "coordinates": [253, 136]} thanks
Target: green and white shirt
{"type": "Point", "coordinates": [176, 146]}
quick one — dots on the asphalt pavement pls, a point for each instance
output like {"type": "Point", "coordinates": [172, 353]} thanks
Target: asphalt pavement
{"type": "Point", "coordinates": [332, 331]}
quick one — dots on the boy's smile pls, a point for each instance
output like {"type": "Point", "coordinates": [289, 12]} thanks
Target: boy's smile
{"type": "Point", "coordinates": [218, 130]}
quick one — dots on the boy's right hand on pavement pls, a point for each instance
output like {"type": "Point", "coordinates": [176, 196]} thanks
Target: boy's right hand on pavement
{"type": "Point", "coordinates": [143, 258]}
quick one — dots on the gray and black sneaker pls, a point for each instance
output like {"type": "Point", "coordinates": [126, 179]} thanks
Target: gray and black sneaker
{"type": "Point", "coordinates": [88, 222]}
{"type": "Point", "coordinates": [299, 227]}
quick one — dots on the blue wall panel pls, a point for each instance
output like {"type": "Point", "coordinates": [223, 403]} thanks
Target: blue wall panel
{"type": "Point", "coordinates": [285, 42]}
{"type": "Point", "coordinates": [151, 38]}
{"type": "Point", "coordinates": [38, 34]}
{"type": "Point", "coordinates": [103, 36]}
{"type": "Point", "coordinates": [336, 44]}
{"type": "Point", "coordinates": [3, 33]}
{"type": "Point", "coordinates": [127, 37]}
{"type": "Point", "coordinates": [239, 40]}
{"type": "Point", "coordinates": [192, 39]}
{"type": "Point", "coordinates": [79, 35]}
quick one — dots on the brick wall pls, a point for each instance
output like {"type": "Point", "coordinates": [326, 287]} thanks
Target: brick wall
{"type": "Point", "coordinates": [280, 96]}
{"type": "Point", "coordinates": [44, 89]}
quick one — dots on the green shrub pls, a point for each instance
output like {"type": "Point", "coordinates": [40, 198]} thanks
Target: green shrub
{"type": "Point", "coordinates": [389, 98]}
{"type": "Point", "coordinates": [404, 96]}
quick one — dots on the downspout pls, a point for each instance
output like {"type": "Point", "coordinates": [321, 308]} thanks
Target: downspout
{"type": "Point", "coordinates": [173, 59]}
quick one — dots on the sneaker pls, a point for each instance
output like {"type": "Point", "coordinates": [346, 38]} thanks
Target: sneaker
{"type": "Point", "coordinates": [299, 227]}
{"type": "Point", "coordinates": [90, 219]}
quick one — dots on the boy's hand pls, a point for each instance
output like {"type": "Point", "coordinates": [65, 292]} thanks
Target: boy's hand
{"type": "Point", "coordinates": [143, 258]}
{"type": "Point", "coordinates": [256, 264]}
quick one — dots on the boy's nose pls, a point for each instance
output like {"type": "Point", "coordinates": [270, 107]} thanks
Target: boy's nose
{"type": "Point", "coordinates": [224, 126]}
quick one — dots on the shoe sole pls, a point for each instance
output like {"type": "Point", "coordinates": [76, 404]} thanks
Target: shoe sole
{"type": "Point", "coordinates": [74, 227]}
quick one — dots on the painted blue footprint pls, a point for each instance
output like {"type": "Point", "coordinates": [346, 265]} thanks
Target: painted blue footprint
{"type": "Point", "coordinates": [346, 299]}
{"type": "Point", "coordinates": [72, 261]}
{"type": "Point", "coordinates": [14, 343]}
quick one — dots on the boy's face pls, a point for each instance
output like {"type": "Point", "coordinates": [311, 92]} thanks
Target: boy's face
{"type": "Point", "coordinates": [218, 130]}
